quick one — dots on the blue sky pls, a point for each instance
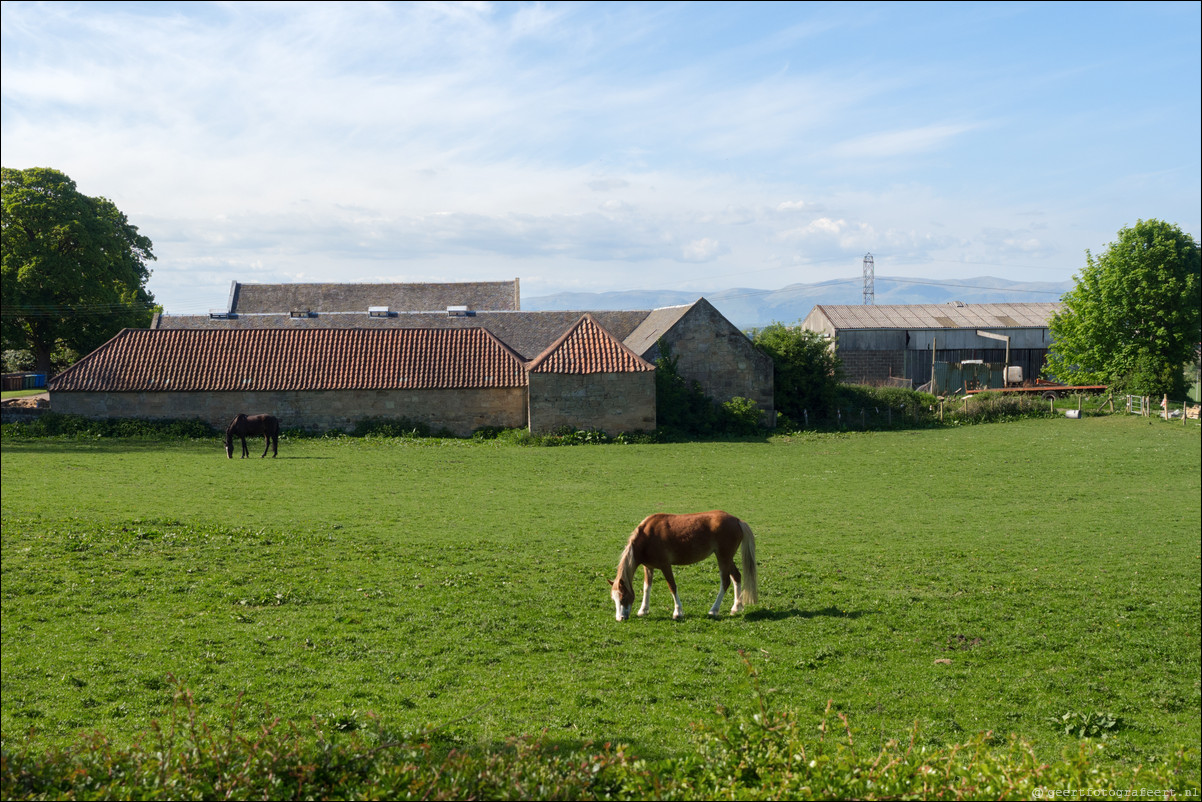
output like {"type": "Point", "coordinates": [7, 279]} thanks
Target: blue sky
{"type": "Point", "coordinates": [611, 146]}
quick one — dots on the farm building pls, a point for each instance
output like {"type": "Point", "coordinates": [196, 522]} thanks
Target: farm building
{"type": "Point", "coordinates": [891, 343]}
{"type": "Point", "coordinates": [455, 379]}
{"type": "Point", "coordinates": [583, 369]}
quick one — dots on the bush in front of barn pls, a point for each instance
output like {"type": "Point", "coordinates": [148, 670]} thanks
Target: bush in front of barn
{"type": "Point", "coordinates": [990, 407]}
{"type": "Point", "coordinates": [53, 424]}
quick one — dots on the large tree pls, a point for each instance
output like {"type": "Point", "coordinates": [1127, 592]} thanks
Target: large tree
{"type": "Point", "coordinates": [1132, 320]}
{"type": "Point", "coordinates": [74, 270]}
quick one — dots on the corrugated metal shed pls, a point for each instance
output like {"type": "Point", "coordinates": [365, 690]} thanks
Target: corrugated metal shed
{"type": "Point", "coordinates": [588, 348]}
{"type": "Point", "coordinates": [939, 316]}
{"type": "Point", "coordinates": [303, 359]}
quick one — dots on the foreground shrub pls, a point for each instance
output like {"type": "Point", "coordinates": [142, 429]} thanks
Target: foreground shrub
{"type": "Point", "coordinates": [767, 755]}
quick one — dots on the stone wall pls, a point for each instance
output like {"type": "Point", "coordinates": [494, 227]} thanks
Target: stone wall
{"type": "Point", "coordinates": [719, 357]}
{"type": "Point", "coordinates": [611, 402]}
{"type": "Point", "coordinates": [460, 411]}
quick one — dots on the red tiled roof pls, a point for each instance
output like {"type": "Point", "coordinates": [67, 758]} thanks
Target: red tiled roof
{"type": "Point", "coordinates": [588, 348]}
{"type": "Point", "coordinates": [304, 359]}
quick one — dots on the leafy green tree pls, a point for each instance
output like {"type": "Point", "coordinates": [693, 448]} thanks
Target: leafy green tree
{"type": "Point", "coordinates": [1132, 320]}
{"type": "Point", "coordinates": [74, 269]}
{"type": "Point", "coordinates": [806, 370]}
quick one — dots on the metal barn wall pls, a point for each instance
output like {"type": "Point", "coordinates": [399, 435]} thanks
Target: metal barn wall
{"type": "Point", "coordinates": [874, 356]}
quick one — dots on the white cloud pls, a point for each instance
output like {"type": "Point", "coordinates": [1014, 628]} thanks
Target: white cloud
{"type": "Point", "coordinates": [571, 145]}
{"type": "Point", "coordinates": [890, 144]}
{"type": "Point", "coordinates": [702, 250]}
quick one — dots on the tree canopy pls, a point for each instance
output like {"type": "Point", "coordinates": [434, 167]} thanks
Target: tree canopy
{"type": "Point", "coordinates": [74, 269]}
{"type": "Point", "coordinates": [806, 370]}
{"type": "Point", "coordinates": [1132, 320]}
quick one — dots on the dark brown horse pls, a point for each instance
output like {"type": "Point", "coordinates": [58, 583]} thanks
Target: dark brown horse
{"type": "Point", "coordinates": [662, 541]}
{"type": "Point", "coordinates": [253, 425]}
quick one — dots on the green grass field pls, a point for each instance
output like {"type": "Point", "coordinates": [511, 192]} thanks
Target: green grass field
{"type": "Point", "coordinates": [990, 578]}
{"type": "Point", "coordinates": [7, 394]}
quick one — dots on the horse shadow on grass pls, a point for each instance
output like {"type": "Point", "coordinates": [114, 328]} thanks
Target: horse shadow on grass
{"type": "Point", "coordinates": [761, 614]}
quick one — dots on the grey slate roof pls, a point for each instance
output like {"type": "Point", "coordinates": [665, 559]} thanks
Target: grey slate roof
{"type": "Point", "coordinates": [654, 325]}
{"type": "Point", "coordinates": [527, 333]}
{"type": "Point", "coordinates": [939, 316]}
{"type": "Point", "coordinates": [333, 297]}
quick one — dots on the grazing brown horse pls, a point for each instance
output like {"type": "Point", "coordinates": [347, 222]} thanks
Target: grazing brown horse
{"type": "Point", "coordinates": [253, 425]}
{"type": "Point", "coordinates": [662, 541]}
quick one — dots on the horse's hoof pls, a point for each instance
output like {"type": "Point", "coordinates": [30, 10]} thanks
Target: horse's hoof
{"type": "Point", "coordinates": [641, 613]}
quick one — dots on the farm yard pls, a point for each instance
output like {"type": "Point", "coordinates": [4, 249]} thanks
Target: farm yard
{"type": "Point", "coordinates": [1038, 578]}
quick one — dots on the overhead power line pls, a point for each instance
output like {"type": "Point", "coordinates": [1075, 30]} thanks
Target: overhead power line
{"type": "Point", "coordinates": [957, 285]}
{"type": "Point", "coordinates": [60, 310]}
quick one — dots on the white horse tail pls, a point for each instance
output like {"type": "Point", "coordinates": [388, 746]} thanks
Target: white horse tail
{"type": "Point", "coordinates": [749, 592]}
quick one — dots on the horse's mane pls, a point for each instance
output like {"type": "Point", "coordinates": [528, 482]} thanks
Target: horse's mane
{"type": "Point", "coordinates": [626, 566]}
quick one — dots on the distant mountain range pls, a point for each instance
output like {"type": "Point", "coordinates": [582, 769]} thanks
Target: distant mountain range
{"type": "Point", "coordinates": [751, 308]}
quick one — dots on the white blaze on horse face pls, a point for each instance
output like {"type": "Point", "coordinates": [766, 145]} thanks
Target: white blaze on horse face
{"type": "Point", "coordinates": [620, 613]}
